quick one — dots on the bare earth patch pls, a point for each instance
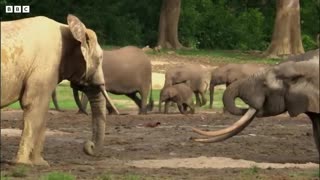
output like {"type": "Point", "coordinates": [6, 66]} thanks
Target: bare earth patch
{"type": "Point", "coordinates": [214, 162]}
{"type": "Point", "coordinates": [166, 151]}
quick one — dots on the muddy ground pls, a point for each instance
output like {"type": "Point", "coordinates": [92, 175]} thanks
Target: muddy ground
{"type": "Point", "coordinates": [166, 151]}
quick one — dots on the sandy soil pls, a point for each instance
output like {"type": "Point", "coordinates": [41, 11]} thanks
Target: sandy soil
{"type": "Point", "coordinates": [166, 151]}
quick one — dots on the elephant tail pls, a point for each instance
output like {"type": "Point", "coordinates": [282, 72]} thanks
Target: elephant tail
{"type": "Point", "coordinates": [151, 102]}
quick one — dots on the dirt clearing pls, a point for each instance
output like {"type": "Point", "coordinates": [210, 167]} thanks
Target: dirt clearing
{"type": "Point", "coordinates": [166, 151]}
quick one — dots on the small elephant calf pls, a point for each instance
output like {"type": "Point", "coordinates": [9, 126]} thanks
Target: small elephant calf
{"type": "Point", "coordinates": [180, 94]}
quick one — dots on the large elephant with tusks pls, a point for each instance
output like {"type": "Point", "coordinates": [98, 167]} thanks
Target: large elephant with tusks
{"type": "Point", "coordinates": [36, 54]}
{"type": "Point", "coordinates": [291, 87]}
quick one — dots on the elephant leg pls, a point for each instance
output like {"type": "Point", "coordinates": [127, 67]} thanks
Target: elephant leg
{"type": "Point", "coordinates": [55, 101]}
{"type": "Point", "coordinates": [185, 106]}
{"type": "Point", "coordinates": [144, 101]}
{"type": "Point", "coordinates": [166, 107]}
{"type": "Point", "coordinates": [198, 102]}
{"type": "Point", "coordinates": [191, 111]}
{"type": "Point", "coordinates": [181, 108]}
{"type": "Point", "coordinates": [203, 98]}
{"type": "Point", "coordinates": [315, 119]}
{"type": "Point", "coordinates": [36, 105]}
{"type": "Point", "coordinates": [135, 99]}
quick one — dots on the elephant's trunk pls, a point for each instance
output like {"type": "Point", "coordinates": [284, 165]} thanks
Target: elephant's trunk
{"type": "Point", "coordinates": [229, 97]}
{"type": "Point", "coordinates": [211, 94]}
{"type": "Point", "coordinates": [78, 102]}
{"type": "Point", "coordinates": [98, 109]}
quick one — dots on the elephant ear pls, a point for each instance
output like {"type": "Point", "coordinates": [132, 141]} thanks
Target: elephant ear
{"type": "Point", "coordinates": [88, 40]}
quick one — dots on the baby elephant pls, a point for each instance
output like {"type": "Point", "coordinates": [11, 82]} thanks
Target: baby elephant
{"type": "Point", "coordinates": [180, 94]}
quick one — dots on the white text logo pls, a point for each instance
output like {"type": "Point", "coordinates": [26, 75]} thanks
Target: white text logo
{"type": "Point", "coordinates": [17, 9]}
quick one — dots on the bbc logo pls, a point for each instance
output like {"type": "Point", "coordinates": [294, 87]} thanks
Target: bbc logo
{"type": "Point", "coordinates": [17, 9]}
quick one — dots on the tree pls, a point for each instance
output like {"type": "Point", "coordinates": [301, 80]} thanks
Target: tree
{"type": "Point", "coordinates": [286, 37]}
{"type": "Point", "coordinates": [168, 25]}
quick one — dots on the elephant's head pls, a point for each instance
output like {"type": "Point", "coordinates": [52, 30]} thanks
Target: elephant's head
{"type": "Point", "coordinates": [292, 87]}
{"type": "Point", "coordinates": [166, 94]}
{"type": "Point", "coordinates": [176, 75]}
{"type": "Point", "coordinates": [82, 65]}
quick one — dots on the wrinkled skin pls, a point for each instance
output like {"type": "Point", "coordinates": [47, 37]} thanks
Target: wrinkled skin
{"type": "Point", "coordinates": [291, 87]}
{"type": "Point", "coordinates": [180, 94]}
{"type": "Point", "coordinates": [191, 74]}
{"type": "Point", "coordinates": [230, 73]}
{"type": "Point", "coordinates": [31, 68]}
{"type": "Point", "coordinates": [127, 71]}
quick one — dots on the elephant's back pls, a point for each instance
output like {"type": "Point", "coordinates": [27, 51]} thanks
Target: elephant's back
{"type": "Point", "coordinates": [126, 69]}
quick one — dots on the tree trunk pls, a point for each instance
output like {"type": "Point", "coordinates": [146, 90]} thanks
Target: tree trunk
{"type": "Point", "coordinates": [286, 37]}
{"type": "Point", "coordinates": [168, 25]}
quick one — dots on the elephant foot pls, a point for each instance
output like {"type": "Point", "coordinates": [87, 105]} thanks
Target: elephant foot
{"type": "Point", "coordinates": [113, 113]}
{"type": "Point", "coordinates": [82, 112]}
{"type": "Point", "coordinates": [40, 162]}
{"type": "Point", "coordinates": [35, 162]}
{"type": "Point", "coordinates": [143, 111]}
{"type": "Point", "coordinates": [25, 161]}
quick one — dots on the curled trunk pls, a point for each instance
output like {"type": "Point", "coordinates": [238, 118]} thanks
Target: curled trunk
{"type": "Point", "coordinates": [229, 97]}
{"type": "Point", "coordinates": [98, 109]}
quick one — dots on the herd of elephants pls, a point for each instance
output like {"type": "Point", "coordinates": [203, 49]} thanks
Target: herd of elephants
{"type": "Point", "coordinates": [38, 53]}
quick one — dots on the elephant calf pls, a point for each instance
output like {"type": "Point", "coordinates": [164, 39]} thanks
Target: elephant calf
{"type": "Point", "coordinates": [194, 74]}
{"type": "Point", "coordinates": [178, 93]}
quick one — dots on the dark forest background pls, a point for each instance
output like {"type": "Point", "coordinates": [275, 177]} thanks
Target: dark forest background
{"type": "Point", "coordinates": [204, 24]}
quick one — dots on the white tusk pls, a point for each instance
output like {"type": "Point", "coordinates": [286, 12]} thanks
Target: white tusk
{"type": "Point", "coordinates": [247, 117]}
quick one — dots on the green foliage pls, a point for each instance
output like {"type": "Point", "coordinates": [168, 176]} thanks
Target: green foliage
{"type": "Point", "coordinates": [308, 42]}
{"type": "Point", "coordinates": [249, 30]}
{"type": "Point", "coordinates": [204, 24]}
{"type": "Point", "coordinates": [58, 176]}
{"type": "Point", "coordinates": [20, 171]}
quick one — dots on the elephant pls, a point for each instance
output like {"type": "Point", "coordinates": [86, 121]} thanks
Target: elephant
{"type": "Point", "coordinates": [36, 54]}
{"type": "Point", "coordinates": [54, 100]}
{"type": "Point", "coordinates": [194, 74]}
{"type": "Point", "coordinates": [178, 93]}
{"type": "Point", "coordinates": [230, 73]}
{"type": "Point", "coordinates": [304, 57]}
{"type": "Point", "coordinates": [291, 87]}
{"type": "Point", "coordinates": [127, 71]}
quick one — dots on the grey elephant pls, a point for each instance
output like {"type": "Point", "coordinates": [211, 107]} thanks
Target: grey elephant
{"type": "Point", "coordinates": [309, 55]}
{"type": "Point", "coordinates": [127, 71]}
{"type": "Point", "coordinates": [230, 73]}
{"type": "Point", "coordinates": [31, 68]}
{"type": "Point", "coordinates": [291, 87]}
{"type": "Point", "coordinates": [180, 94]}
{"type": "Point", "coordinates": [194, 74]}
